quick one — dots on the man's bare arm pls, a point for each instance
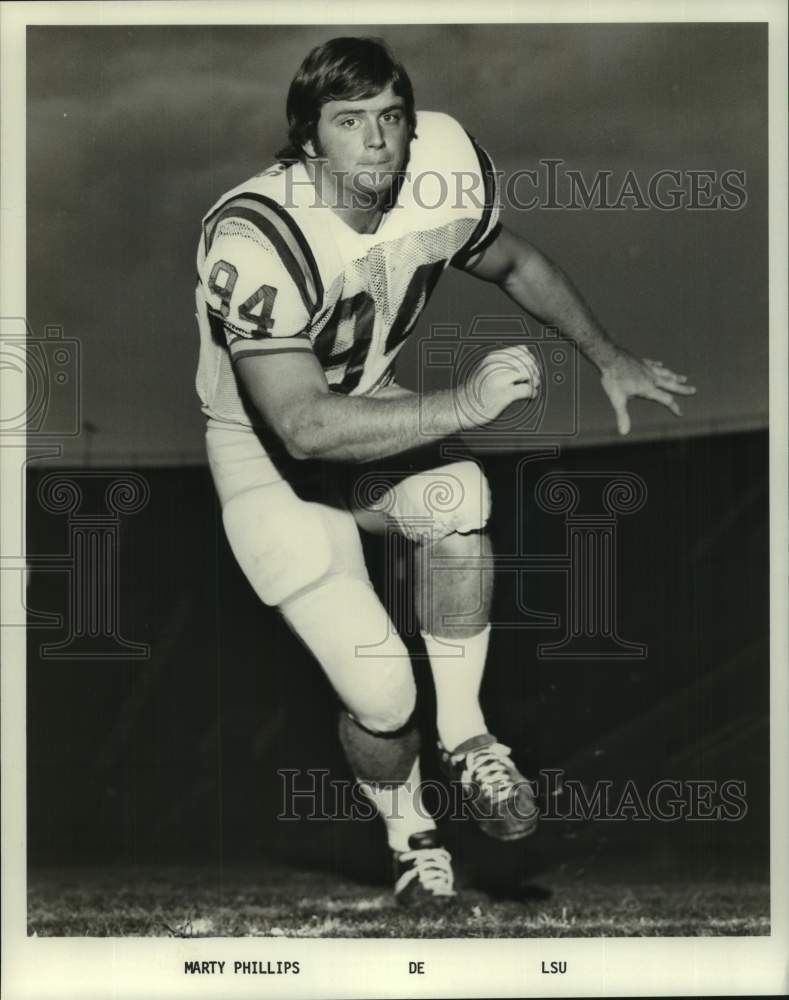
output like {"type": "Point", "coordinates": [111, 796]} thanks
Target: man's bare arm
{"type": "Point", "coordinates": [291, 393]}
{"type": "Point", "coordinates": [540, 287]}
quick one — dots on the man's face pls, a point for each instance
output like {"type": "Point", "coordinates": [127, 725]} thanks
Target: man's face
{"type": "Point", "coordinates": [364, 142]}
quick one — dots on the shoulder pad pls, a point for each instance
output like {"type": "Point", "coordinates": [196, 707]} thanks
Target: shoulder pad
{"type": "Point", "coordinates": [249, 286]}
{"type": "Point", "coordinates": [451, 177]}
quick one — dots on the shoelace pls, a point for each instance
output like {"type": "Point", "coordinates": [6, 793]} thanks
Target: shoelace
{"type": "Point", "coordinates": [433, 867]}
{"type": "Point", "coordinates": [490, 767]}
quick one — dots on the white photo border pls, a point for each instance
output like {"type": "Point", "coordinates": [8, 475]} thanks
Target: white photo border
{"type": "Point", "coordinates": [127, 967]}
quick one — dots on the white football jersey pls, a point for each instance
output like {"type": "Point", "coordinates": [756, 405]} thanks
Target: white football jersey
{"type": "Point", "coordinates": [278, 271]}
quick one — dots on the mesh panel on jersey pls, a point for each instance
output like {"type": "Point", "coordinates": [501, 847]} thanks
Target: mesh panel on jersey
{"type": "Point", "coordinates": [227, 401]}
{"type": "Point", "coordinates": [232, 226]}
{"type": "Point", "coordinates": [386, 272]}
{"type": "Point", "coordinates": [391, 265]}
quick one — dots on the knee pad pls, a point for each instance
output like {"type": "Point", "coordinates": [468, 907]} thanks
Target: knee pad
{"type": "Point", "coordinates": [382, 759]}
{"type": "Point", "coordinates": [438, 502]}
{"type": "Point", "coordinates": [389, 714]}
{"type": "Point", "coordinates": [285, 545]}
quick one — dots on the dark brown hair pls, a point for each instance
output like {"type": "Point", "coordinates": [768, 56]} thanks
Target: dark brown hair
{"type": "Point", "coordinates": [342, 69]}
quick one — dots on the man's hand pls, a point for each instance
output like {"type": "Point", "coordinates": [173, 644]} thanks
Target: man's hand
{"type": "Point", "coordinates": [537, 285]}
{"type": "Point", "coordinates": [500, 378]}
{"type": "Point", "coordinates": [626, 376]}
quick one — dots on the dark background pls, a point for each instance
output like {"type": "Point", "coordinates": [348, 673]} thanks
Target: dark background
{"type": "Point", "coordinates": [132, 133]}
{"type": "Point", "coordinates": [176, 758]}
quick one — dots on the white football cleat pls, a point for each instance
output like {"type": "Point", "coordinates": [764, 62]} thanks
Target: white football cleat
{"type": "Point", "coordinates": [423, 873]}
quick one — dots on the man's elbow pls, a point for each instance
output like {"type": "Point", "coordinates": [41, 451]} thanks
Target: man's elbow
{"type": "Point", "coordinates": [298, 434]}
{"type": "Point", "coordinates": [300, 452]}
{"type": "Point", "coordinates": [298, 445]}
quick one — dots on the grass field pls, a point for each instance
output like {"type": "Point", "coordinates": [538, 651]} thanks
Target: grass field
{"type": "Point", "coordinates": [283, 901]}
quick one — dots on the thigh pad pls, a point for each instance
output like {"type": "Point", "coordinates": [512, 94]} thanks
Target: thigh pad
{"type": "Point", "coordinates": [285, 545]}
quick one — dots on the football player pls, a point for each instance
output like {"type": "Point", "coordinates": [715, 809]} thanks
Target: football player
{"type": "Point", "coordinates": [312, 274]}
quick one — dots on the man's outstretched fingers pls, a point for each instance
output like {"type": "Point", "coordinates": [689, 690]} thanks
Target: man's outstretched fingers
{"type": "Point", "coordinates": [667, 379]}
{"type": "Point", "coordinates": [660, 396]}
{"type": "Point", "coordinates": [675, 385]}
{"type": "Point", "coordinates": [619, 403]}
{"type": "Point", "coordinates": [622, 419]}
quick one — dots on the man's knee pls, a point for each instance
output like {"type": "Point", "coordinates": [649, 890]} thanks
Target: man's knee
{"type": "Point", "coordinates": [392, 706]}
{"type": "Point", "coordinates": [384, 722]}
{"type": "Point", "coordinates": [454, 498]}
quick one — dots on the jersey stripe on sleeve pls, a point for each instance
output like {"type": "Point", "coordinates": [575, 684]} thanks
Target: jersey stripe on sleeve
{"type": "Point", "coordinates": [243, 347]}
{"type": "Point", "coordinates": [278, 227]}
{"type": "Point", "coordinates": [488, 227]}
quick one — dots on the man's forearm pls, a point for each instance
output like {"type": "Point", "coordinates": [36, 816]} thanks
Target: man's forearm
{"type": "Point", "coordinates": [364, 428]}
{"type": "Point", "coordinates": [537, 285]}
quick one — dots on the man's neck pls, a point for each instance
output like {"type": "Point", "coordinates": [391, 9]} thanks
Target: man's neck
{"type": "Point", "coordinates": [351, 207]}
{"type": "Point", "coordinates": [361, 220]}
